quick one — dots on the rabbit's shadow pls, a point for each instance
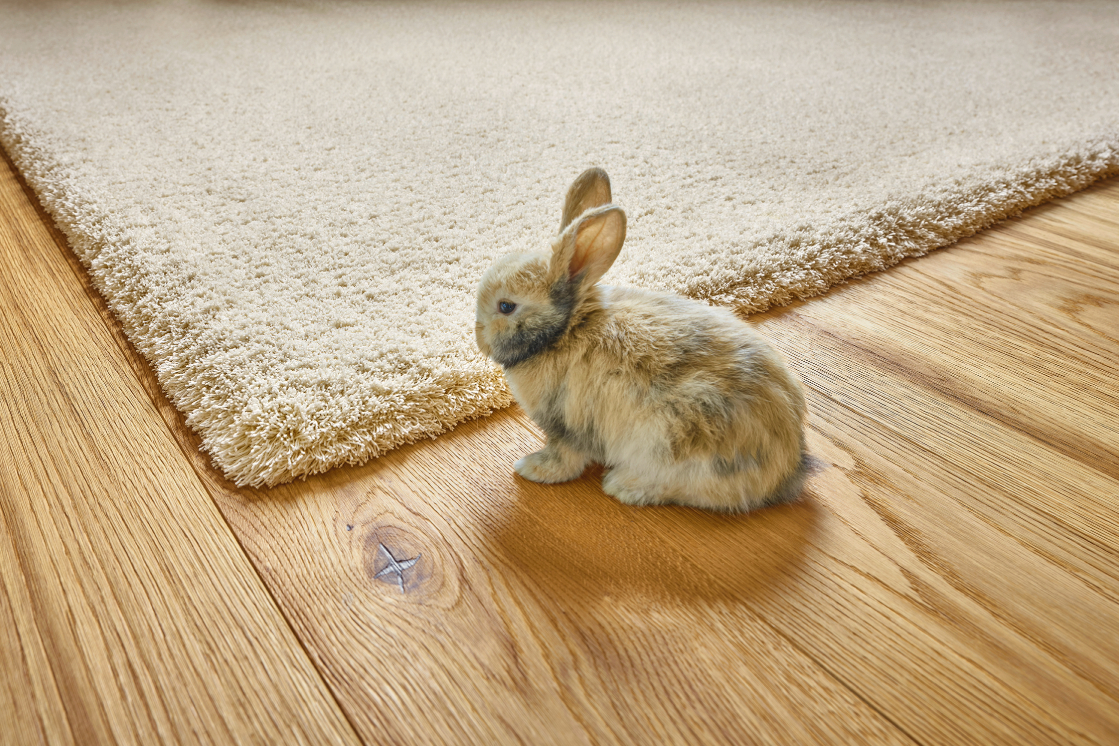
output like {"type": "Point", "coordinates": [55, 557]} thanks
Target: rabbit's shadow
{"type": "Point", "coordinates": [579, 546]}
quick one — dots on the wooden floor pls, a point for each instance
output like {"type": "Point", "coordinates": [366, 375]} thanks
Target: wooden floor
{"type": "Point", "coordinates": [950, 576]}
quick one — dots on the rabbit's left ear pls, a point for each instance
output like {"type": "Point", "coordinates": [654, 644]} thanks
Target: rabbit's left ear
{"type": "Point", "coordinates": [589, 247]}
{"type": "Point", "coordinates": [589, 190]}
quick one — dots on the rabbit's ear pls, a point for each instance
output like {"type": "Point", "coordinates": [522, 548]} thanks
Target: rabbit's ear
{"type": "Point", "coordinates": [590, 189]}
{"type": "Point", "coordinates": [589, 247]}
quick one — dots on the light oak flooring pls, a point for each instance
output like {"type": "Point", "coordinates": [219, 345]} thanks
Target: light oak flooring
{"type": "Point", "coordinates": [950, 576]}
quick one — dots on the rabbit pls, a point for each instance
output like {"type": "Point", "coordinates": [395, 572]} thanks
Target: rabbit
{"type": "Point", "coordinates": [681, 402]}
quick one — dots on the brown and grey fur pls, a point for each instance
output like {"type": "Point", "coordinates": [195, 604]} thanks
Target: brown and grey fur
{"type": "Point", "coordinates": [682, 402]}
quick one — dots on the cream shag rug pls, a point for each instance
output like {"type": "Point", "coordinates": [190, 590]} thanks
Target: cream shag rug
{"type": "Point", "coordinates": [288, 205]}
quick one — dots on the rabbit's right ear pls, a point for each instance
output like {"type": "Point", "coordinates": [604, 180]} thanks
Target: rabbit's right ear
{"type": "Point", "coordinates": [591, 189]}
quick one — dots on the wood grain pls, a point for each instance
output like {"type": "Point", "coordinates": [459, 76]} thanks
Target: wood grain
{"type": "Point", "coordinates": [951, 575]}
{"type": "Point", "coordinates": [128, 612]}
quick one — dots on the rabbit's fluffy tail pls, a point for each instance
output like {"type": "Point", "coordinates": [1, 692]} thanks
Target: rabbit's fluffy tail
{"type": "Point", "coordinates": [789, 490]}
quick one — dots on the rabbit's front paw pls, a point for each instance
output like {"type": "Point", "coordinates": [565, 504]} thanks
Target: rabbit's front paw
{"type": "Point", "coordinates": [625, 488]}
{"type": "Point", "coordinates": [551, 464]}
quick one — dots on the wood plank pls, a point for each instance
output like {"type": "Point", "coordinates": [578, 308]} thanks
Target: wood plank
{"type": "Point", "coordinates": [129, 612]}
{"type": "Point", "coordinates": [31, 707]}
{"type": "Point", "coordinates": [1020, 340]}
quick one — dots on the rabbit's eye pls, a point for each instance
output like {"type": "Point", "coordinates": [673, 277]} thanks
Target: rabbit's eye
{"type": "Point", "coordinates": [506, 307]}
